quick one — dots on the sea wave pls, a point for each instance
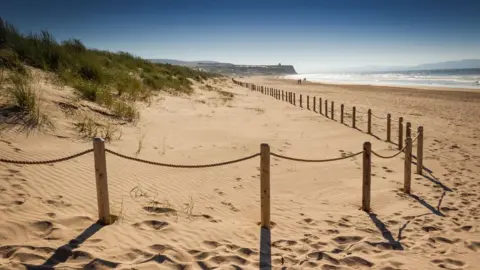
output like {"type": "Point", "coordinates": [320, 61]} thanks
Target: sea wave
{"type": "Point", "coordinates": [442, 78]}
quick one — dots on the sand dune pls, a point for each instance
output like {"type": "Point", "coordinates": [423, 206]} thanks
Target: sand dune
{"type": "Point", "coordinates": [207, 218]}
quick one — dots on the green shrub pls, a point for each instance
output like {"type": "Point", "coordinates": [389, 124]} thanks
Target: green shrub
{"type": "Point", "coordinates": [26, 99]}
{"type": "Point", "coordinates": [94, 73]}
{"type": "Point", "coordinates": [22, 94]}
{"type": "Point", "coordinates": [125, 111]}
{"type": "Point", "coordinates": [87, 90]}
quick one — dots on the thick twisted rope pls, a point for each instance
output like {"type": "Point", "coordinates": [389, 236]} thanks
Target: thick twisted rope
{"type": "Point", "coordinates": [416, 137]}
{"type": "Point", "coordinates": [30, 162]}
{"type": "Point", "coordinates": [387, 157]}
{"type": "Point", "coordinates": [315, 160]}
{"type": "Point", "coordinates": [182, 166]}
{"type": "Point", "coordinates": [359, 111]}
{"type": "Point", "coordinates": [378, 117]}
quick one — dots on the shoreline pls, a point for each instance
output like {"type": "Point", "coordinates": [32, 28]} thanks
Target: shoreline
{"type": "Point", "coordinates": [368, 87]}
{"type": "Point", "coordinates": [435, 87]}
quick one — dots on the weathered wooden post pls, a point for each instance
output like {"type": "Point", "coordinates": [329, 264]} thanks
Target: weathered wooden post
{"type": "Point", "coordinates": [389, 124]}
{"type": "Point", "coordinates": [265, 185]}
{"type": "Point", "coordinates": [283, 96]}
{"type": "Point", "coordinates": [314, 104]}
{"type": "Point", "coordinates": [369, 125]}
{"type": "Point", "coordinates": [101, 180]}
{"type": "Point", "coordinates": [301, 103]}
{"type": "Point", "coordinates": [308, 102]}
{"type": "Point", "coordinates": [409, 130]}
{"type": "Point", "coordinates": [354, 112]}
{"type": "Point", "coordinates": [400, 133]}
{"type": "Point", "coordinates": [320, 106]}
{"type": "Point", "coordinates": [294, 100]}
{"type": "Point", "coordinates": [326, 108]}
{"type": "Point", "coordinates": [420, 150]}
{"type": "Point", "coordinates": [332, 111]}
{"type": "Point", "coordinates": [366, 185]}
{"type": "Point", "coordinates": [341, 113]}
{"type": "Point", "coordinates": [408, 166]}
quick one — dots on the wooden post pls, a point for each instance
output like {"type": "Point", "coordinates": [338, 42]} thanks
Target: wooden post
{"type": "Point", "coordinates": [283, 96]}
{"type": "Point", "coordinates": [420, 150]}
{"type": "Point", "coordinates": [366, 184]}
{"type": "Point", "coordinates": [369, 127]}
{"type": "Point", "coordinates": [408, 166]}
{"type": "Point", "coordinates": [341, 113]}
{"type": "Point", "coordinates": [320, 106]}
{"type": "Point", "coordinates": [326, 108]}
{"type": "Point", "coordinates": [389, 124]}
{"type": "Point", "coordinates": [294, 100]}
{"type": "Point", "coordinates": [409, 130]}
{"type": "Point", "coordinates": [265, 185]}
{"type": "Point", "coordinates": [314, 104]}
{"type": "Point", "coordinates": [101, 180]}
{"type": "Point", "coordinates": [332, 110]}
{"type": "Point", "coordinates": [354, 112]}
{"type": "Point", "coordinates": [301, 104]}
{"type": "Point", "coordinates": [400, 133]}
{"type": "Point", "coordinates": [308, 102]}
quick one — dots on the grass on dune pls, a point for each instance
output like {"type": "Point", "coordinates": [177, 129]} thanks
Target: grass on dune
{"type": "Point", "coordinates": [114, 80]}
{"type": "Point", "coordinates": [25, 99]}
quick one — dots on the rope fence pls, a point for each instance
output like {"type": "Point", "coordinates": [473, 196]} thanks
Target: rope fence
{"type": "Point", "coordinates": [52, 161]}
{"type": "Point", "coordinates": [327, 109]}
{"type": "Point", "coordinates": [100, 164]}
{"type": "Point", "coordinates": [182, 166]}
{"type": "Point", "coordinates": [315, 160]}
{"type": "Point", "coordinates": [100, 161]}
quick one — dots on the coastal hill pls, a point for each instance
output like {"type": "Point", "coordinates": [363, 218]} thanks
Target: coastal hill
{"type": "Point", "coordinates": [231, 69]}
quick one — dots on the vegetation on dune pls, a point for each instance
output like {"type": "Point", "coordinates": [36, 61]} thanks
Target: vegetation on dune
{"type": "Point", "coordinates": [25, 99]}
{"type": "Point", "coordinates": [114, 80]}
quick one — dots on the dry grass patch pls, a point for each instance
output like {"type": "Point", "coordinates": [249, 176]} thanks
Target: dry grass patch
{"type": "Point", "coordinates": [23, 106]}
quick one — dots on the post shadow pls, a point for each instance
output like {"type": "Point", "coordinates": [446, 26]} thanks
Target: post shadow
{"type": "Point", "coordinates": [432, 178]}
{"type": "Point", "coordinates": [396, 245]}
{"type": "Point", "coordinates": [265, 249]}
{"type": "Point", "coordinates": [62, 253]}
{"type": "Point", "coordinates": [427, 205]}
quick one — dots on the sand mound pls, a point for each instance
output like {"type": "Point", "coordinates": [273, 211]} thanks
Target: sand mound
{"type": "Point", "coordinates": [171, 218]}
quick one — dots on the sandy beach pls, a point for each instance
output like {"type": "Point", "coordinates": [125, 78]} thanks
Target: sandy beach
{"type": "Point", "coordinates": [206, 218]}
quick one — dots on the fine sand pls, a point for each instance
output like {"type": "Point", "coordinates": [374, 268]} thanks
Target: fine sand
{"type": "Point", "coordinates": [180, 218]}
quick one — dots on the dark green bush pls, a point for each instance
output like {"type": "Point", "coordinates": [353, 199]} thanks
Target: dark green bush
{"type": "Point", "coordinates": [93, 72]}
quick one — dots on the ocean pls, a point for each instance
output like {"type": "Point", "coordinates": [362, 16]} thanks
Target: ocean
{"type": "Point", "coordinates": [454, 78]}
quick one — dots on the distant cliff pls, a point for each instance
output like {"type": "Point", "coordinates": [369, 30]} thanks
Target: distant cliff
{"type": "Point", "coordinates": [231, 69]}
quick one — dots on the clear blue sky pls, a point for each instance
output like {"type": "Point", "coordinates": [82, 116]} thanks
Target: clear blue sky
{"type": "Point", "coordinates": [312, 35]}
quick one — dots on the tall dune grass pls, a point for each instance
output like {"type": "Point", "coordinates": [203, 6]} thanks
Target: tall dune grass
{"type": "Point", "coordinates": [99, 76]}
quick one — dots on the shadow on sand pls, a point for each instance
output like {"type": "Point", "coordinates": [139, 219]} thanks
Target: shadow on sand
{"type": "Point", "coordinates": [395, 244]}
{"type": "Point", "coordinates": [265, 249]}
{"type": "Point", "coordinates": [64, 252]}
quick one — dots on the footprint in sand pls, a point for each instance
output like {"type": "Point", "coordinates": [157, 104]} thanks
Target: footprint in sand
{"type": "Point", "coordinates": [151, 225]}
{"type": "Point", "coordinates": [219, 192]}
{"type": "Point", "coordinates": [347, 239]}
{"type": "Point", "coordinates": [448, 263]}
{"type": "Point", "coordinates": [159, 210]}
{"type": "Point", "coordinates": [231, 206]}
